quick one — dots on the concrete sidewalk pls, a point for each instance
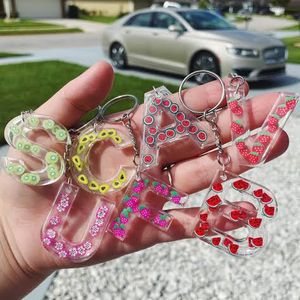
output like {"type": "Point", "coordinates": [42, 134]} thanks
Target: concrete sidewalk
{"type": "Point", "coordinates": [86, 26]}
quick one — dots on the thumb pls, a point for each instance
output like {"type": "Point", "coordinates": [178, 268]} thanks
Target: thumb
{"type": "Point", "coordinates": [80, 95]}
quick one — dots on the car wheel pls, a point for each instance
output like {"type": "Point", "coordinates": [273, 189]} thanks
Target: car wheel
{"type": "Point", "coordinates": [205, 61]}
{"type": "Point", "coordinates": [118, 56]}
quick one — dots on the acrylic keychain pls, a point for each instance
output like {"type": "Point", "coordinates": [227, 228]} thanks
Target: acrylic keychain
{"type": "Point", "coordinates": [99, 131]}
{"type": "Point", "coordinates": [221, 206]}
{"type": "Point", "coordinates": [254, 149]}
{"type": "Point", "coordinates": [20, 133]}
{"type": "Point", "coordinates": [144, 197]}
{"type": "Point", "coordinates": [182, 124]}
{"type": "Point", "coordinates": [103, 132]}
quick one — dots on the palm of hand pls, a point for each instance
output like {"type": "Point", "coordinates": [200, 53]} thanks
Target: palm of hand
{"type": "Point", "coordinates": [24, 209]}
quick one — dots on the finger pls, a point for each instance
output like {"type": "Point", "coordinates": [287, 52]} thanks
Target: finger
{"type": "Point", "coordinates": [80, 95]}
{"type": "Point", "coordinates": [143, 235]}
{"type": "Point", "coordinates": [199, 98]}
{"type": "Point", "coordinates": [257, 108]}
{"type": "Point", "coordinates": [203, 97]}
{"type": "Point", "coordinates": [200, 171]}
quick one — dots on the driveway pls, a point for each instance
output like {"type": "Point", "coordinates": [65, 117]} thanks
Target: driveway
{"type": "Point", "coordinates": [266, 23]}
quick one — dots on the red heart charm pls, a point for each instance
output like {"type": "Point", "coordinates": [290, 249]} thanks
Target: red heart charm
{"type": "Point", "coordinates": [214, 201]}
{"type": "Point", "coordinates": [216, 241]}
{"type": "Point", "coordinates": [234, 215]}
{"type": "Point", "coordinates": [254, 222]}
{"type": "Point", "coordinates": [266, 198]}
{"type": "Point", "coordinates": [233, 248]}
{"type": "Point", "coordinates": [200, 232]}
{"type": "Point", "coordinates": [258, 193]}
{"type": "Point", "coordinates": [203, 217]}
{"type": "Point", "coordinates": [269, 211]}
{"type": "Point", "coordinates": [217, 187]}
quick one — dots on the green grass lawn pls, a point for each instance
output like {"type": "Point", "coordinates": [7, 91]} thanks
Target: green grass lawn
{"type": "Point", "coordinates": [26, 86]}
{"type": "Point", "coordinates": [292, 28]}
{"type": "Point", "coordinates": [100, 19]}
{"type": "Point", "coordinates": [32, 27]}
{"type": "Point", "coordinates": [293, 45]}
{"type": "Point", "coordinates": [9, 54]}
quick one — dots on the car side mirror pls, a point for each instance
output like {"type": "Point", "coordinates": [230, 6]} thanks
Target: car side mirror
{"type": "Point", "coordinates": [174, 28]}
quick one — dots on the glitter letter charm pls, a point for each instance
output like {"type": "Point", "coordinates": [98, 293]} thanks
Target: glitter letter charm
{"type": "Point", "coordinates": [160, 105]}
{"type": "Point", "coordinates": [234, 213]}
{"type": "Point", "coordinates": [149, 209]}
{"type": "Point", "coordinates": [254, 149]}
{"type": "Point", "coordinates": [19, 134]}
{"type": "Point", "coordinates": [52, 235]}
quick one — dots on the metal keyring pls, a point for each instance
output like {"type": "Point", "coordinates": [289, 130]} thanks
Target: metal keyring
{"type": "Point", "coordinates": [192, 75]}
{"type": "Point", "coordinates": [93, 121]}
{"type": "Point", "coordinates": [116, 100]}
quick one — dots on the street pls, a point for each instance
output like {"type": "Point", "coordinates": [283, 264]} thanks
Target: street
{"type": "Point", "coordinates": [85, 49]}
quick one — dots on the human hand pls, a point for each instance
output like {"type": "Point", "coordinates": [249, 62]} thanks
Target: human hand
{"type": "Point", "coordinates": [23, 209]}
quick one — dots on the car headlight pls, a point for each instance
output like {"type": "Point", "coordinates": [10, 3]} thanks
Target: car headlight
{"type": "Point", "coordinates": [243, 52]}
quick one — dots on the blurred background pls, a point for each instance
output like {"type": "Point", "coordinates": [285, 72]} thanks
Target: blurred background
{"type": "Point", "coordinates": [46, 43]}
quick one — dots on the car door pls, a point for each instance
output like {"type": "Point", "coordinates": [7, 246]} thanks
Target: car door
{"type": "Point", "coordinates": [167, 48]}
{"type": "Point", "coordinates": [135, 35]}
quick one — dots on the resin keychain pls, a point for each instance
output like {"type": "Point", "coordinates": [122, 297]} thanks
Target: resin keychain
{"type": "Point", "coordinates": [234, 201]}
{"type": "Point", "coordinates": [144, 197]}
{"type": "Point", "coordinates": [20, 133]}
{"type": "Point", "coordinates": [254, 149]}
{"type": "Point", "coordinates": [105, 132]}
{"type": "Point", "coordinates": [167, 120]}
{"type": "Point", "coordinates": [100, 131]}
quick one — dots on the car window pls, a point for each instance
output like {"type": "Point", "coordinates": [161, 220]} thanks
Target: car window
{"type": "Point", "coordinates": [140, 20]}
{"type": "Point", "coordinates": [204, 20]}
{"type": "Point", "coordinates": [163, 20]}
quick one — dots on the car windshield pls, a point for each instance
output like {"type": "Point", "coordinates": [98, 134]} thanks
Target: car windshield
{"type": "Point", "coordinates": [204, 20]}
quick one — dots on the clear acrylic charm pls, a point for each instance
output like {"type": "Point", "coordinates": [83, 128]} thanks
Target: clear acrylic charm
{"type": "Point", "coordinates": [145, 198]}
{"type": "Point", "coordinates": [52, 234]}
{"type": "Point", "coordinates": [234, 213]}
{"type": "Point", "coordinates": [99, 137]}
{"type": "Point", "coordinates": [166, 121]}
{"type": "Point", "coordinates": [19, 133]}
{"type": "Point", "coordinates": [254, 149]}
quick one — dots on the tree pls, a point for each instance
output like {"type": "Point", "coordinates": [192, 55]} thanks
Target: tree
{"type": "Point", "coordinates": [281, 3]}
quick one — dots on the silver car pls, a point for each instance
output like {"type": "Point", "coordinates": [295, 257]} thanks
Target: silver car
{"type": "Point", "coordinates": [184, 40]}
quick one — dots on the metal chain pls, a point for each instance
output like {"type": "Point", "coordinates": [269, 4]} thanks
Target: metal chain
{"type": "Point", "coordinates": [127, 123]}
{"type": "Point", "coordinates": [236, 82]}
{"type": "Point", "coordinates": [222, 157]}
{"type": "Point", "coordinates": [25, 114]}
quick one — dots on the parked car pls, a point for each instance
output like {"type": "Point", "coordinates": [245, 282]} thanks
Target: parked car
{"type": "Point", "coordinates": [184, 40]}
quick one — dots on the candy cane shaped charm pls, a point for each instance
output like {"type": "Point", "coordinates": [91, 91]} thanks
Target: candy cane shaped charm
{"type": "Point", "coordinates": [19, 134]}
{"type": "Point", "coordinates": [254, 149]}
{"type": "Point", "coordinates": [134, 203]}
{"type": "Point", "coordinates": [52, 234]}
{"type": "Point", "coordinates": [241, 204]}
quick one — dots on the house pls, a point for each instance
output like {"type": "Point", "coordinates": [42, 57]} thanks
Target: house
{"type": "Point", "coordinates": [111, 8]}
{"type": "Point", "coordinates": [32, 8]}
